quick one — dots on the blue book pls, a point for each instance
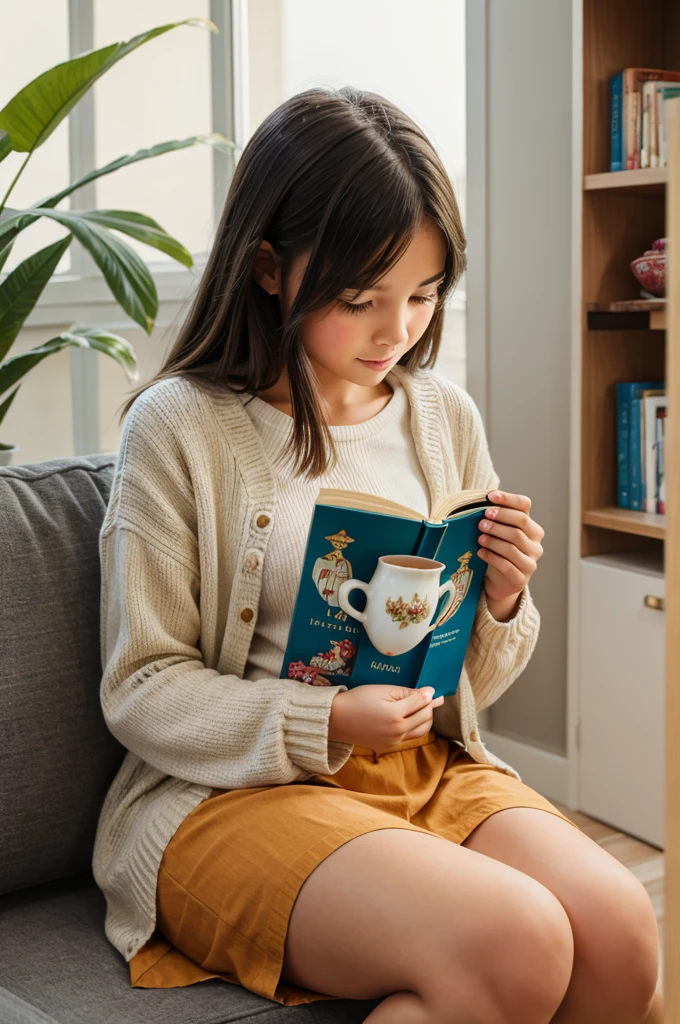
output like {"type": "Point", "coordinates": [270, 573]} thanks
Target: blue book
{"type": "Point", "coordinates": [618, 151]}
{"type": "Point", "coordinates": [348, 533]}
{"type": "Point", "coordinates": [625, 392]}
{"type": "Point", "coordinates": [636, 494]}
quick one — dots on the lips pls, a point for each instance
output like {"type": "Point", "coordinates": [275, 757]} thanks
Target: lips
{"type": "Point", "coordinates": [378, 363]}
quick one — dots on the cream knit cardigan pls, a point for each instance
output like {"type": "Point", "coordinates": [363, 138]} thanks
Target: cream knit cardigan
{"type": "Point", "coordinates": [190, 513]}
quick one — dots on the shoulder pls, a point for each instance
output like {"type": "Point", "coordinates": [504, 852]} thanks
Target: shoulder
{"type": "Point", "coordinates": [161, 401]}
{"type": "Point", "coordinates": [454, 402]}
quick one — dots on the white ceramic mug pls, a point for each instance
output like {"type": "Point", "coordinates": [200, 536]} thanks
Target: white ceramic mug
{"type": "Point", "coordinates": [400, 600]}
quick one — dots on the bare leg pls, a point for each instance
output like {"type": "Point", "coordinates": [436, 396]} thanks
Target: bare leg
{"type": "Point", "coordinates": [449, 936]}
{"type": "Point", "coordinates": [616, 940]}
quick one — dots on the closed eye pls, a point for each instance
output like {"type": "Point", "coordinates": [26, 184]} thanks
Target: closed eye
{"type": "Point", "coordinates": [361, 307]}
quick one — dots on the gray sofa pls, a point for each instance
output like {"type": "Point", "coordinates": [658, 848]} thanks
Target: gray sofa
{"type": "Point", "coordinates": [57, 759]}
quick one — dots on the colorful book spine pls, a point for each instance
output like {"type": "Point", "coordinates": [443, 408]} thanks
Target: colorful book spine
{"type": "Point", "coordinates": [625, 392]}
{"type": "Point", "coordinates": [622, 438]}
{"type": "Point", "coordinates": [635, 455]}
{"type": "Point", "coordinates": [617, 162]}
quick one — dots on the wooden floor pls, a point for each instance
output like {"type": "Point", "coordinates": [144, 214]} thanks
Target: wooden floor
{"type": "Point", "coordinates": [646, 862]}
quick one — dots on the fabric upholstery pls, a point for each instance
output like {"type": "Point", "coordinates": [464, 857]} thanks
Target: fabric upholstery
{"type": "Point", "coordinates": [58, 756]}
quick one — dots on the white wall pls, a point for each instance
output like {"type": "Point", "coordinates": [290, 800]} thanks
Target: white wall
{"type": "Point", "coordinates": [519, 314]}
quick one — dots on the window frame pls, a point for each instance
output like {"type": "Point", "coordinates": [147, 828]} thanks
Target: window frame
{"type": "Point", "coordinates": [82, 293]}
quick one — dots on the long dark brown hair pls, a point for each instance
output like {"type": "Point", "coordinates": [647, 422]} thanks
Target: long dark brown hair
{"type": "Point", "coordinates": [347, 177]}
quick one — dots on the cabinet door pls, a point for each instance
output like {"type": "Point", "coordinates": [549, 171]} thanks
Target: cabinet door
{"type": "Point", "coordinates": [622, 700]}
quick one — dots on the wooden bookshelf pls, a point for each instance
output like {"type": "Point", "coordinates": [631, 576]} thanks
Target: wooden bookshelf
{"type": "Point", "coordinates": [650, 180]}
{"type": "Point", "coordinates": [623, 212]}
{"type": "Point", "coordinates": [629, 315]}
{"type": "Point", "coordinates": [618, 337]}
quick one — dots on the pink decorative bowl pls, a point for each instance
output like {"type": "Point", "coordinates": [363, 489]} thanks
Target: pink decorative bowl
{"type": "Point", "coordinates": [650, 269]}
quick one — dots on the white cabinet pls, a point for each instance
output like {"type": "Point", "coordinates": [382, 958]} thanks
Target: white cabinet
{"type": "Point", "coordinates": [622, 693]}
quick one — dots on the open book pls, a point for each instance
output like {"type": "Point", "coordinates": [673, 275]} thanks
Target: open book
{"type": "Point", "coordinates": [348, 533]}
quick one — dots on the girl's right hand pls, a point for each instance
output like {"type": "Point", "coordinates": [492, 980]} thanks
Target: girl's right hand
{"type": "Point", "coordinates": [380, 715]}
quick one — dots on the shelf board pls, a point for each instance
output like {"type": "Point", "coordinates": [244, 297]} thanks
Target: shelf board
{"type": "Point", "coordinates": [627, 315]}
{"type": "Point", "coordinates": [644, 524]}
{"type": "Point", "coordinates": [650, 180]}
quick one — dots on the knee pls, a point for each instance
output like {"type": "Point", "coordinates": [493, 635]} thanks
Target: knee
{"type": "Point", "coordinates": [617, 940]}
{"type": "Point", "coordinates": [519, 959]}
{"type": "Point", "coordinates": [532, 957]}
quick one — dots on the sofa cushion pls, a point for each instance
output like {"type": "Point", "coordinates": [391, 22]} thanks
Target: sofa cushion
{"type": "Point", "coordinates": [58, 967]}
{"type": "Point", "coordinates": [58, 756]}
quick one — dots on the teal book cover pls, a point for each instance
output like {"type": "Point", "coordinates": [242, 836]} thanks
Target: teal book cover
{"type": "Point", "coordinates": [348, 534]}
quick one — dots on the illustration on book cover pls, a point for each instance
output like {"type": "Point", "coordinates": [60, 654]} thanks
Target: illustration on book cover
{"type": "Point", "coordinates": [331, 570]}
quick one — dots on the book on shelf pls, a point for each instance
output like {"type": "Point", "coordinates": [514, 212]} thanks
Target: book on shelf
{"type": "Point", "coordinates": [639, 457]}
{"type": "Point", "coordinates": [637, 117]}
{"type": "Point", "coordinates": [348, 533]}
{"type": "Point", "coordinates": [652, 402]}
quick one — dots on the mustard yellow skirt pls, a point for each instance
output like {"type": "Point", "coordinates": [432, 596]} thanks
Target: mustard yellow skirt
{"type": "Point", "coordinates": [231, 873]}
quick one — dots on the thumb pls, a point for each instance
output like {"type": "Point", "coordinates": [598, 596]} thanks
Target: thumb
{"type": "Point", "coordinates": [414, 698]}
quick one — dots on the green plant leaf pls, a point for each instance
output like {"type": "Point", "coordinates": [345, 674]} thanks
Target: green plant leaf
{"type": "Point", "coordinates": [4, 253]}
{"type": "Point", "coordinates": [141, 227]}
{"type": "Point", "coordinates": [5, 149]}
{"type": "Point", "coordinates": [11, 223]}
{"type": "Point", "coordinates": [21, 289]}
{"type": "Point", "coordinates": [220, 142]}
{"type": "Point", "coordinates": [35, 111]}
{"type": "Point", "coordinates": [4, 408]}
{"type": "Point", "coordinates": [111, 345]}
{"type": "Point", "coordinates": [126, 274]}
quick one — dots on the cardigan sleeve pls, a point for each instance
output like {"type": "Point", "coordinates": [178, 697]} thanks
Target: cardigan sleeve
{"type": "Point", "coordinates": [498, 652]}
{"type": "Point", "coordinates": [161, 702]}
{"type": "Point", "coordinates": [158, 697]}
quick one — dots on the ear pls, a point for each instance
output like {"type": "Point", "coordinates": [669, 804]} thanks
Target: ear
{"type": "Point", "coordinates": [266, 269]}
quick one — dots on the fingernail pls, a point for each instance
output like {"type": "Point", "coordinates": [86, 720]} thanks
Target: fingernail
{"type": "Point", "coordinates": [494, 495]}
{"type": "Point", "coordinates": [428, 691]}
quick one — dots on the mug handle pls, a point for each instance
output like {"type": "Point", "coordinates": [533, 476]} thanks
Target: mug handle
{"type": "Point", "coordinates": [343, 599]}
{"type": "Point", "coordinates": [447, 604]}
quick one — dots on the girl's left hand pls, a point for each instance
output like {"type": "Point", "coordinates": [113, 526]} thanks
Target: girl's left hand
{"type": "Point", "coordinates": [510, 542]}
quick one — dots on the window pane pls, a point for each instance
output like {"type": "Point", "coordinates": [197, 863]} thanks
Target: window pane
{"type": "Point", "coordinates": [159, 92]}
{"type": "Point", "coordinates": [414, 54]}
{"type": "Point", "coordinates": [27, 53]}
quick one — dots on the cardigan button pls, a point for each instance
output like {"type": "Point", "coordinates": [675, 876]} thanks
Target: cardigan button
{"type": "Point", "coordinates": [474, 735]}
{"type": "Point", "coordinates": [262, 521]}
{"type": "Point", "coordinates": [247, 614]}
{"type": "Point", "coordinates": [252, 560]}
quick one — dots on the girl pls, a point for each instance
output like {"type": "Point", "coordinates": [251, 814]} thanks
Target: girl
{"type": "Point", "coordinates": [324, 842]}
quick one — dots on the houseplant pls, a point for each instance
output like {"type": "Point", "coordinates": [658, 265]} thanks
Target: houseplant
{"type": "Point", "coordinates": [26, 122]}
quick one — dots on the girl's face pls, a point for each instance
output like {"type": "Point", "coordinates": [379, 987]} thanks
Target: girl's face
{"type": "Point", "coordinates": [381, 323]}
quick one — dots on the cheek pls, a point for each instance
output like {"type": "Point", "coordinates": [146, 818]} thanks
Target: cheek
{"type": "Point", "coordinates": [334, 335]}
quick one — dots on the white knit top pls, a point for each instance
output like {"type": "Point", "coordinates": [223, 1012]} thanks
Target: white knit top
{"type": "Point", "coordinates": [377, 456]}
{"type": "Point", "coordinates": [199, 537]}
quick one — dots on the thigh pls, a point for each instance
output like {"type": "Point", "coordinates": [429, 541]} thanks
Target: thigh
{"type": "Point", "coordinates": [611, 915]}
{"type": "Point", "coordinates": [396, 910]}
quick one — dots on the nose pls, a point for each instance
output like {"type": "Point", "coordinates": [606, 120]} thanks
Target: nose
{"type": "Point", "coordinates": [393, 332]}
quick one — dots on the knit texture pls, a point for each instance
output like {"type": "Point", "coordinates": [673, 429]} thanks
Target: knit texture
{"type": "Point", "coordinates": [194, 503]}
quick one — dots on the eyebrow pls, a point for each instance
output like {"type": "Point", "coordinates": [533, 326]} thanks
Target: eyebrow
{"type": "Point", "coordinates": [381, 287]}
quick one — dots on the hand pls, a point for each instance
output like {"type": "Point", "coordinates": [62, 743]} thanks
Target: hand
{"type": "Point", "coordinates": [511, 546]}
{"type": "Point", "coordinates": [380, 715]}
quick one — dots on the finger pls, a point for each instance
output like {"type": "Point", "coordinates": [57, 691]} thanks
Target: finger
{"type": "Point", "coordinates": [508, 500]}
{"type": "Point", "coordinates": [514, 517]}
{"type": "Point", "coordinates": [421, 719]}
{"type": "Point", "coordinates": [414, 702]}
{"type": "Point", "coordinates": [510, 552]}
{"type": "Point", "coordinates": [415, 733]}
{"type": "Point", "coordinates": [515, 578]}
{"type": "Point", "coordinates": [511, 534]}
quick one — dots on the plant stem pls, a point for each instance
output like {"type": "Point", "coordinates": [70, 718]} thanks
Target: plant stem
{"type": "Point", "coordinates": [16, 178]}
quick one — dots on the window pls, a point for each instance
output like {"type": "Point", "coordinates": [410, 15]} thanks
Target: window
{"type": "Point", "coordinates": [412, 53]}
{"type": "Point", "coordinates": [27, 55]}
{"type": "Point", "coordinates": [177, 85]}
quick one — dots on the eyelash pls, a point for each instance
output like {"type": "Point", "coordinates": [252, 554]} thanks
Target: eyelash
{"type": "Point", "coordinates": [349, 307]}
